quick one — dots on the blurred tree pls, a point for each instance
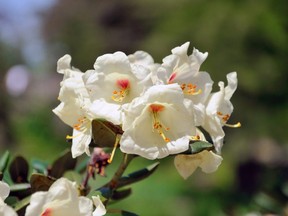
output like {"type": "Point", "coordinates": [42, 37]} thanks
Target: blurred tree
{"type": "Point", "coordinates": [86, 29]}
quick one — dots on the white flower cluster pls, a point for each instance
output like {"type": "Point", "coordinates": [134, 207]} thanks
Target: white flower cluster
{"type": "Point", "coordinates": [160, 107]}
{"type": "Point", "coordinates": [61, 199]}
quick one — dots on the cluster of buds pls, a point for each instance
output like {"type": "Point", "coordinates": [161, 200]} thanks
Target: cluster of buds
{"type": "Point", "coordinates": [160, 108]}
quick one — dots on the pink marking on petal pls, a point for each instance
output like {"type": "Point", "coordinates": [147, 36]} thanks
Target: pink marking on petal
{"type": "Point", "coordinates": [47, 212]}
{"type": "Point", "coordinates": [156, 108]}
{"type": "Point", "coordinates": [123, 83]}
{"type": "Point", "coordinates": [172, 77]}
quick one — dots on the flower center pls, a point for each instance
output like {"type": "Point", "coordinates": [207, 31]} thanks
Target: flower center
{"type": "Point", "coordinates": [190, 89]}
{"type": "Point", "coordinates": [156, 124]}
{"type": "Point", "coordinates": [79, 126]}
{"type": "Point", "coordinates": [225, 118]}
{"type": "Point", "coordinates": [124, 86]}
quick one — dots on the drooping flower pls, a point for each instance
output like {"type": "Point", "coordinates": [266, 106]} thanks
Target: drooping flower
{"type": "Point", "coordinates": [115, 82]}
{"type": "Point", "coordinates": [4, 208]}
{"type": "Point", "coordinates": [73, 108]}
{"type": "Point", "coordinates": [158, 123]}
{"type": "Point", "coordinates": [218, 111]}
{"type": "Point", "coordinates": [61, 199]}
{"type": "Point", "coordinates": [208, 161]}
{"type": "Point", "coordinates": [184, 70]}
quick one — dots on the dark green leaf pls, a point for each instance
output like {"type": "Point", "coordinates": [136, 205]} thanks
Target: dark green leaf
{"type": "Point", "coordinates": [268, 202]}
{"type": "Point", "coordinates": [40, 182]}
{"type": "Point", "coordinates": [11, 200]}
{"type": "Point", "coordinates": [4, 161]}
{"type": "Point", "coordinates": [126, 213]}
{"type": "Point", "coordinates": [81, 167]}
{"type": "Point", "coordinates": [19, 187]}
{"type": "Point", "coordinates": [22, 204]}
{"type": "Point", "coordinates": [18, 170]}
{"type": "Point", "coordinates": [104, 133]}
{"type": "Point", "coordinates": [137, 176]}
{"type": "Point", "coordinates": [196, 147]}
{"type": "Point", "coordinates": [121, 194]}
{"type": "Point", "coordinates": [62, 164]}
{"type": "Point", "coordinates": [106, 192]}
{"type": "Point", "coordinates": [121, 212]}
{"type": "Point", "coordinates": [40, 166]}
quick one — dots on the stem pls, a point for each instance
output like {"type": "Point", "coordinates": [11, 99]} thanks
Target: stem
{"type": "Point", "coordinates": [127, 158]}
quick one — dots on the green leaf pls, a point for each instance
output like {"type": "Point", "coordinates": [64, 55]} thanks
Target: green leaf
{"type": "Point", "coordinates": [198, 146]}
{"type": "Point", "coordinates": [40, 166]}
{"type": "Point", "coordinates": [19, 169]}
{"type": "Point", "coordinates": [104, 133]}
{"type": "Point", "coordinates": [4, 161]}
{"type": "Point", "coordinates": [19, 187]}
{"type": "Point", "coordinates": [121, 194]}
{"type": "Point", "coordinates": [73, 176]}
{"type": "Point", "coordinates": [137, 176]}
{"type": "Point", "coordinates": [40, 182]}
{"type": "Point", "coordinates": [62, 164]}
{"type": "Point", "coordinates": [121, 212]}
{"type": "Point", "coordinates": [81, 167]}
{"type": "Point", "coordinates": [22, 204]}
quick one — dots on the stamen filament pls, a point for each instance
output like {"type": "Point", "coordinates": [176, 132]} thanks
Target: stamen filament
{"type": "Point", "coordinates": [156, 124]}
{"type": "Point", "coordinates": [237, 125]}
{"type": "Point", "coordinates": [117, 140]}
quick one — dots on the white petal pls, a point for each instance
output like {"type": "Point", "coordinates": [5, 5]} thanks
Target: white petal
{"type": "Point", "coordinates": [181, 50]}
{"type": "Point", "coordinates": [210, 161]}
{"type": "Point", "coordinates": [116, 62]}
{"type": "Point", "coordinates": [232, 85]}
{"type": "Point", "coordinates": [100, 208]}
{"type": "Point", "coordinates": [37, 202]}
{"type": "Point", "coordinates": [4, 190]}
{"type": "Point", "coordinates": [64, 63]}
{"type": "Point", "coordinates": [85, 206]}
{"type": "Point", "coordinates": [81, 141]}
{"type": "Point", "coordinates": [186, 164]}
{"type": "Point", "coordinates": [109, 111]}
{"type": "Point", "coordinates": [206, 160]}
{"type": "Point", "coordinates": [6, 210]}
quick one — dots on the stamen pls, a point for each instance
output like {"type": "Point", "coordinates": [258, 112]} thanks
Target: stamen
{"type": "Point", "coordinates": [237, 125]}
{"type": "Point", "coordinates": [195, 138]}
{"type": "Point", "coordinates": [225, 118]}
{"type": "Point", "coordinates": [156, 124]}
{"type": "Point", "coordinates": [124, 86]}
{"type": "Point", "coordinates": [190, 89]}
{"type": "Point", "coordinates": [118, 136]}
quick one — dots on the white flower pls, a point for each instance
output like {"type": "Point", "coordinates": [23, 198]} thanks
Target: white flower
{"type": "Point", "coordinates": [115, 82]}
{"type": "Point", "coordinates": [219, 109]}
{"type": "Point", "coordinates": [4, 208]}
{"type": "Point", "coordinates": [73, 108]}
{"type": "Point", "coordinates": [206, 160]}
{"type": "Point", "coordinates": [158, 123]}
{"type": "Point", "coordinates": [100, 208]}
{"type": "Point", "coordinates": [61, 199]}
{"type": "Point", "coordinates": [184, 70]}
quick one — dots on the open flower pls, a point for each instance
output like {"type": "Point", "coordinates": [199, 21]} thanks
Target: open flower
{"type": "Point", "coordinates": [184, 70]}
{"type": "Point", "coordinates": [208, 161]}
{"type": "Point", "coordinates": [61, 199]}
{"type": "Point", "coordinates": [158, 123]}
{"type": "Point", "coordinates": [115, 82]}
{"type": "Point", "coordinates": [219, 109]}
{"type": "Point", "coordinates": [4, 192]}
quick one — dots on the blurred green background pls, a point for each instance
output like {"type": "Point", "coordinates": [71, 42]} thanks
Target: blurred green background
{"type": "Point", "coordinates": [249, 36]}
